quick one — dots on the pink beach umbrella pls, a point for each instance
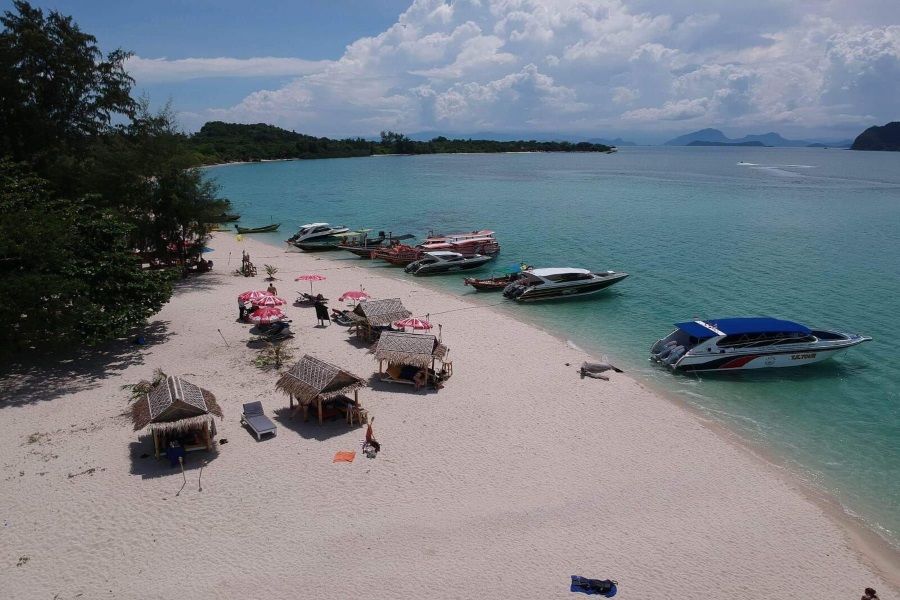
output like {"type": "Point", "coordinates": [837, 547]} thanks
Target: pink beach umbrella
{"type": "Point", "coordinates": [310, 279]}
{"type": "Point", "coordinates": [266, 315]}
{"type": "Point", "coordinates": [413, 323]}
{"type": "Point", "coordinates": [253, 295]}
{"type": "Point", "coordinates": [269, 301]}
{"type": "Point", "coordinates": [355, 295]}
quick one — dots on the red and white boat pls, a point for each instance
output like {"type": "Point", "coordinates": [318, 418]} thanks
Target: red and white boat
{"type": "Point", "coordinates": [477, 242]}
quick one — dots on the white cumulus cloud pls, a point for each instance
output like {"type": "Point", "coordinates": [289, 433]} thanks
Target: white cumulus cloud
{"type": "Point", "coordinates": [589, 66]}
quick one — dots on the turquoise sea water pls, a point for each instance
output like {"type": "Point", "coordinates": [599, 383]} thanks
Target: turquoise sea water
{"type": "Point", "coordinates": [803, 234]}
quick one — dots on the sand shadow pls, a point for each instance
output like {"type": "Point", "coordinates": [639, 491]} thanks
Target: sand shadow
{"type": "Point", "coordinates": [198, 282]}
{"type": "Point", "coordinates": [377, 383]}
{"type": "Point", "coordinates": [330, 428]}
{"type": "Point", "coordinates": [36, 376]}
{"type": "Point", "coordinates": [144, 463]}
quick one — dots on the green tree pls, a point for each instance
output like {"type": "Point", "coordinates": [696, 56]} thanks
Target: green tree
{"type": "Point", "coordinates": [56, 91]}
{"type": "Point", "coordinates": [84, 287]}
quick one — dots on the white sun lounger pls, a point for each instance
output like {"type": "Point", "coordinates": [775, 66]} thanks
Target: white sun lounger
{"type": "Point", "coordinates": [256, 420]}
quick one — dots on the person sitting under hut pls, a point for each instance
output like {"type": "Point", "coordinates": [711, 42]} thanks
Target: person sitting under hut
{"type": "Point", "coordinates": [419, 378]}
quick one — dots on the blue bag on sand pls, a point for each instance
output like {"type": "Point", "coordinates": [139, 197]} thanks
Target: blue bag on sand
{"type": "Point", "coordinates": [594, 587]}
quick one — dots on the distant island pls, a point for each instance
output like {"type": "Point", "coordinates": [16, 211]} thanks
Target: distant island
{"type": "Point", "coordinates": [219, 142]}
{"type": "Point", "coordinates": [883, 138]}
{"type": "Point", "coordinates": [702, 143]}
{"type": "Point", "coordinates": [771, 139]}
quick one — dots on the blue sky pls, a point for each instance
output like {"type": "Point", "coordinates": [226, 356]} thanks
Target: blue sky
{"type": "Point", "coordinates": [643, 69]}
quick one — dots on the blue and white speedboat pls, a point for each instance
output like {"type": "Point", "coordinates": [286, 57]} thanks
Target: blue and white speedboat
{"type": "Point", "coordinates": [748, 343]}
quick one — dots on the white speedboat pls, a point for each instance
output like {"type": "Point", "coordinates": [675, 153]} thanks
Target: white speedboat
{"type": "Point", "coordinates": [748, 343]}
{"type": "Point", "coordinates": [317, 232]}
{"type": "Point", "coordinates": [445, 262]}
{"type": "Point", "coordinates": [547, 284]}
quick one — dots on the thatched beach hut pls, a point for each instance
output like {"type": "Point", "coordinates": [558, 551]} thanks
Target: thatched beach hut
{"type": "Point", "coordinates": [370, 315]}
{"type": "Point", "coordinates": [412, 349]}
{"type": "Point", "coordinates": [312, 381]}
{"type": "Point", "coordinates": [176, 408]}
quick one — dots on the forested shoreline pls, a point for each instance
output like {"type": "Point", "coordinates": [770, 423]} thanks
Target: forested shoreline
{"type": "Point", "coordinates": [219, 142]}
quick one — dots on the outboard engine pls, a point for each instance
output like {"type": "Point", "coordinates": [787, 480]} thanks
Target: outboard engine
{"type": "Point", "coordinates": [509, 290]}
{"type": "Point", "coordinates": [664, 351]}
{"type": "Point", "coordinates": [411, 267]}
{"type": "Point", "coordinates": [676, 353]}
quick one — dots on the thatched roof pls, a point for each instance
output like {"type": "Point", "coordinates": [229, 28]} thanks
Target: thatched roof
{"type": "Point", "coordinates": [379, 312]}
{"type": "Point", "coordinates": [409, 348]}
{"type": "Point", "coordinates": [174, 405]}
{"type": "Point", "coordinates": [311, 377]}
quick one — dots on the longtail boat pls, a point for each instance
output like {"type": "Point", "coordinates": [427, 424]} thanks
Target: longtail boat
{"type": "Point", "coordinates": [267, 228]}
{"type": "Point", "coordinates": [491, 283]}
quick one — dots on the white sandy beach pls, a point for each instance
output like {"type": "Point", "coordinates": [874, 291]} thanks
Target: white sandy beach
{"type": "Point", "coordinates": [513, 477]}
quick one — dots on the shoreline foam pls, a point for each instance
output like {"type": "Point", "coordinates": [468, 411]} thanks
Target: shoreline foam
{"type": "Point", "coordinates": [514, 476]}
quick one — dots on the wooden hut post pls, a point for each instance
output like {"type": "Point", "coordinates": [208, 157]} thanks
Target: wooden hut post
{"type": "Point", "coordinates": [291, 396]}
{"type": "Point", "coordinates": [207, 435]}
{"type": "Point", "coordinates": [319, 398]}
{"type": "Point", "coordinates": [155, 445]}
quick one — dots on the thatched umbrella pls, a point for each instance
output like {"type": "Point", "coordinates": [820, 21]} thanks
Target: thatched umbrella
{"type": "Point", "coordinates": [312, 381]}
{"type": "Point", "coordinates": [175, 406]}
{"type": "Point", "coordinates": [377, 313]}
{"type": "Point", "coordinates": [415, 349]}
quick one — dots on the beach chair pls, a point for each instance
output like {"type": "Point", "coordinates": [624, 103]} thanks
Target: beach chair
{"type": "Point", "coordinates": [400, 374]}
{"type": "Point", "coordinates": [256, 420]}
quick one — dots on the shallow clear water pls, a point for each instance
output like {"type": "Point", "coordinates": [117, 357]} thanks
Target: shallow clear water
{"type": "Point", "coordinates": [802, 234]}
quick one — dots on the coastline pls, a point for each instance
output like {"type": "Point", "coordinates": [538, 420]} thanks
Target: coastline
{"type": "Point", "coordinates": [514, 476]}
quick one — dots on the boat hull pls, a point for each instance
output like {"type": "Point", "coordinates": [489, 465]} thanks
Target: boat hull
{"type": "Point", "coordinates": [539, 293]}
{"type": "Point", "coordinates": [490, 285]}
{"type": "Point", "coordinates": [266, 229]}
{"type": "Point", "coordinates": [315, 246]}
{"type": "Point", "coordinates": [758, 360]}
{"type": "Point", "coordinates": [441, 269]}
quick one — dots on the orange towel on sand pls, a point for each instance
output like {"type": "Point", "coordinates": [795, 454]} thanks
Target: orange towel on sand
{"type": "Point", "coordinates": [344, 456]}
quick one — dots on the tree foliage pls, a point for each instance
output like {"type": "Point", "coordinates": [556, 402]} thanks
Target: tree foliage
{"type": "Point", "coordinates": [57, 92]}
{"type": "Point", "coordinates": [67, 274]}
{"type": "Point", "coordinates": [88, 175]}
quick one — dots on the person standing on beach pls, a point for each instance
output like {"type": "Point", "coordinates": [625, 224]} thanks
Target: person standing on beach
{"type": "Point", "coordinates": [870, 594]}
{"type": "Point", "coordinates": [271, 289]}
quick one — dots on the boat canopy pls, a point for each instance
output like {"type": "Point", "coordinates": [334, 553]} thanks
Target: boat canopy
{"type": "Point", "coordinates": [739, 326]}
{"type": "Point", "coordinates": [558, 271]}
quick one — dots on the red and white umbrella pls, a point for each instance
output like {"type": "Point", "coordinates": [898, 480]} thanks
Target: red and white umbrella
{"type": "Point", "coordinates": [266, 315]}
{"type": "Point", "coordinates": [310, 279]}
{"type": "Point", "coordinates": [412, 323]}
{"type": "Point", "coordinates": [269, 301]}
{"type": "Point", "coordinates": [254, 295]}
{"type": "Point", "coordinates": [355, 295]}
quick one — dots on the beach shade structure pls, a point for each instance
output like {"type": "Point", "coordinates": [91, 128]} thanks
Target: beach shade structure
{"type": "Point", "coordinates": [412, 323]}
{"type": "Point", "coordinates": [404, 352]}
{"type": "Point", "coordinates": [252, 295]}
{"type": "Point", "coordinates": [269, 301]}
{"type": "Point", "coordinates": [176, 408]}
{"type": "Point", "coordinates": [315, 382]}
{"type": "Point", "coordinates": [356, 295]}
{"type": "Point", "coordinates": [266, 315]}
{"type": "Point", "coordinates": [310, 279]}
{"type": "Point", "coordinates": [374, 316]}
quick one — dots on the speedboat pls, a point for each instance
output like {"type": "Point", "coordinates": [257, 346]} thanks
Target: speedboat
{"type": "Point", "coordinates": [566, 282]}
{"type": "Point", "coordinates": [318, 232]}
{"type": "Point", "coordinates": [748, 343]}
{"type": "Point", "coordinates": [443, 262]}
